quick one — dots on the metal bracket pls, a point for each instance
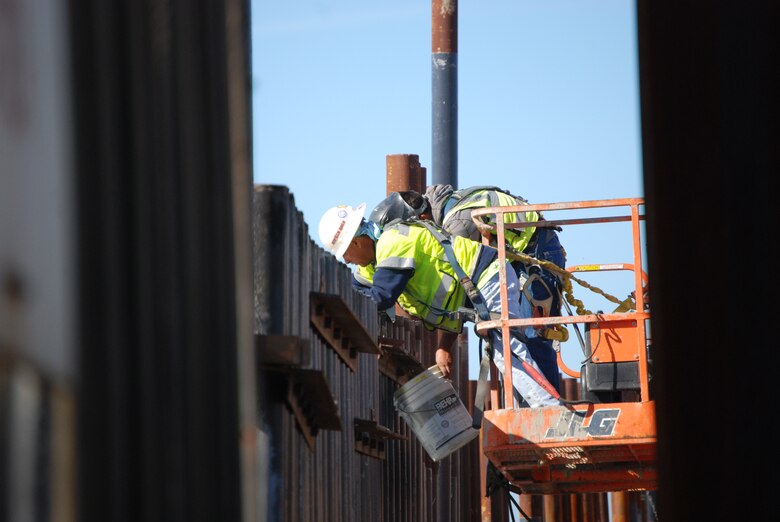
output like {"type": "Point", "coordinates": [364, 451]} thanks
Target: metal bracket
{"type": "Point", "coordinates": [370, 438]}
{"type": "Point", "coordinates": [312, 404]}
{"type": "Point", "coordinates": [339, 327]}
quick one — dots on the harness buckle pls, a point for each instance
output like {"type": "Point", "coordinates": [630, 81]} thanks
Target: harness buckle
{"type": "Point", "coordinates": [541, 307]}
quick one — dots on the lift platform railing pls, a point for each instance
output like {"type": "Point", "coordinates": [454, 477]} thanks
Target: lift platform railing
{"type": "Point", "coordinates": [627, 304]}
{"type": "Point", "coordinates": [639, 315]}
{"type": "Point", "coordinates": [606, 443]}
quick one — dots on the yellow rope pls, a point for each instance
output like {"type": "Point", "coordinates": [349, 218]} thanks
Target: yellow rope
{"type": "Point", "coordinates": [565, 276]}
{"type": "Point", "coordinates": [566, 279]}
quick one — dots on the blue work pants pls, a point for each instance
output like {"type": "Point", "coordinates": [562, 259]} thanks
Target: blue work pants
{"type": "Point", "coordinates": [529, 389]}
{"type": "Point", "coordinates": [547, 248]}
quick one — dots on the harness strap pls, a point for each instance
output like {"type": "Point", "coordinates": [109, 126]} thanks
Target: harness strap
{"type": "Point", "coordinates": [484, 315]}
{"type": "Point", "coordinates": [482, 312]}
{"type": "Point", "coordinates": [479, 395]}
{"type": "Point", "coordinates": [451, 202]}
{"type": "Point", "coordinates": [465, 281]}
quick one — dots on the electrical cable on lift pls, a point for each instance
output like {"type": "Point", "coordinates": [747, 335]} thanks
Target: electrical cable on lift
{"type": "Point", "coordinates": [532, 372]}
{"type": "Point", "coordinates": [589, 357]}
{"type": "Point", "coordinates": [566, 279]}
{"type": "Point", "coordinates": [573, 402]}
{"type": "Point", "coordinates": [494, 481]}
{"type": "Point", "coordinates": [576, 330]}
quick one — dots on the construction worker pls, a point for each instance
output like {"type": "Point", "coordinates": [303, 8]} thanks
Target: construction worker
{"type": "Point", "coordinates": [451, 209]}
{"type": "Point", "coordinates": [412, 266]}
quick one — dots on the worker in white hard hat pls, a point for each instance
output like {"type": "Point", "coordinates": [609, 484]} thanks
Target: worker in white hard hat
{"type": "Point", "coordinates": [541, 288]}
{"type": "Point", "coordinates": [409, 265]}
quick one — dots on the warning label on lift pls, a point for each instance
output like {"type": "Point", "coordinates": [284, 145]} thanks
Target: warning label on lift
{"type": "Point", "coordinates": [571, 424]}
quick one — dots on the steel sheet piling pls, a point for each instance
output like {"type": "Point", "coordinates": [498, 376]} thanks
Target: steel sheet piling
{"type": "Point", "coordinates": [332, 477]}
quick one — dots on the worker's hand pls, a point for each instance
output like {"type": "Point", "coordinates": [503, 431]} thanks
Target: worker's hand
{"type": "Point", "coordinates": [444, 361]}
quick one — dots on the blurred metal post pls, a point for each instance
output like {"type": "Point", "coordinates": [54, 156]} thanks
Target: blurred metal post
{"type": "Point", "coordinates": [620, 506]}
{"type": "Point", "coordinates": [237, 61]}
{"type": "Point", "coordinates": [550, 511]}
{"type": "Point", "coordinates": [160, 133]}
{"type": "Point", "coordinates": [38, 294]}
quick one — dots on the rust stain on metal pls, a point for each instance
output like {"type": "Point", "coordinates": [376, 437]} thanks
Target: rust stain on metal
{"type": "Point", "coordinates": [444, 30]}
{"type": "Point", "coordinates": [447, 8]}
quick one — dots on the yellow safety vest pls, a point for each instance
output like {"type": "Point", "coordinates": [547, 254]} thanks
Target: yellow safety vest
{"type": "Point", "coordinates": [517, 238]}
{"type": "Point", "coordinates": [433, 294]}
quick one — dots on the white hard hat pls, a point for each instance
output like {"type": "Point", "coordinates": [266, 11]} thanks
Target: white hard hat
{"type": "Point", "coordinates": [338, 226]}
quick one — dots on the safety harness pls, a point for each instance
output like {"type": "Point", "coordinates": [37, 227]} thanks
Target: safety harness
{"type": "Point", "coordinates": [451, 211]}
{"type": "Point", "coordinates": [465, 281]}
{"type": "Point", "coordinates": [542, 307]}
{"type": "Point", "coordinates": [482, 313]}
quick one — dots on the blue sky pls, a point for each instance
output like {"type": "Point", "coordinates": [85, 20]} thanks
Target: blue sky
{"type": "Point", "coordinates": [548, 106]}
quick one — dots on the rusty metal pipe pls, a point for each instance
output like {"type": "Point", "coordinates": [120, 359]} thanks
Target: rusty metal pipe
{"type": "Point", "coordinates": [404, 172]}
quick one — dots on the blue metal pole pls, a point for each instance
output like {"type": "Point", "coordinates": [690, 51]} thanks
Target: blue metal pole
{"type": "Point", "coordinates": [444, 150]}
{"type": "Point", "coordinates": [445, 92]}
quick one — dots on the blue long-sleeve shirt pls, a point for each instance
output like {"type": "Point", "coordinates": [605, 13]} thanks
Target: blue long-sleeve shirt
{"type": "Point", "coordinates": [389, 283]}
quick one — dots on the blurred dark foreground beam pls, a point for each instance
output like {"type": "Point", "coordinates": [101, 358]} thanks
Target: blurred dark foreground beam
{"type": "Point", "coordinates": [709, 133]}
{"type": "Point", "coordinates": [165, 390]}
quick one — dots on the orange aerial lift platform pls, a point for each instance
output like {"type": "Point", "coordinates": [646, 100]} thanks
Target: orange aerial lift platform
{"type": "Point", "coordinates": [604, 438]}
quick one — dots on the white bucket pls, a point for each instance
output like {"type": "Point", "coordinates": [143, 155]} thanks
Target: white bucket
{"type": "Point", "coordinates": [431, 407]}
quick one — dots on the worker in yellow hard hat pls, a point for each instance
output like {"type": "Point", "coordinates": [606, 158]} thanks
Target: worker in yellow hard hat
{"type": "Point", "coordinates": [411, 266]}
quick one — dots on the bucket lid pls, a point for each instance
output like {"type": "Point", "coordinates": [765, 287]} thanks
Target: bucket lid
{"type": "Point", "coordinates": [422, 385]}
{"type": "Point", "coordinates": [417, 380]}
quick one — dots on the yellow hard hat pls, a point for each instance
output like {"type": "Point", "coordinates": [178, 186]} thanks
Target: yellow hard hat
{"type": "Point", "coordinates": [338, 226]}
